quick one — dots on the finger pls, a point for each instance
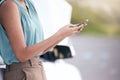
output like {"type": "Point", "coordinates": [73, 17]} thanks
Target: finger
{"type": "Point", "coordinates": [76, 32]}
{"type": "Point", "coordinates": [82, 25]}
{"type": "Point", "coordinates": [80, 29]}
{"type": "Point", "coordinates": [71, 25]}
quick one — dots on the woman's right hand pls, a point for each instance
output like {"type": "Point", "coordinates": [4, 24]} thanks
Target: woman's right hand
{"type": "Point", "coordinates": [69, 30]}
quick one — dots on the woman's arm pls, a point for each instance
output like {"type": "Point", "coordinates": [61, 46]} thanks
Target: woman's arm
{"type": "Point", "coordinates": [10, 19]}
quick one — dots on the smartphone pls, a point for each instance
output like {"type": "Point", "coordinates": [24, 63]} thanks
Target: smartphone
{"type": "Point", "coordinates": [84, 22]}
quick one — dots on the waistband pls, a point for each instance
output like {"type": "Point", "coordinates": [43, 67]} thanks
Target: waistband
{"type": "Point", "coordinates": [34, 62]}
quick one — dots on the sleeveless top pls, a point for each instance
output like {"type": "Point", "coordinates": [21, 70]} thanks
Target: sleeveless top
{"type": "Point", "coordinates": [32, 30]}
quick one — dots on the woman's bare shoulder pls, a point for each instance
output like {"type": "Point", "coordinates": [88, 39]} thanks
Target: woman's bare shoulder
{"type": "Point", "coordinates": [7, 6]}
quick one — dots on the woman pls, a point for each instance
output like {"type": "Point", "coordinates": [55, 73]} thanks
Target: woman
{"type": "Point", "coordinates": [21, 40]}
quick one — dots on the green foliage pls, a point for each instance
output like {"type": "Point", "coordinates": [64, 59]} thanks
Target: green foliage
{"type": "Point", "coordinates": [99, 21]}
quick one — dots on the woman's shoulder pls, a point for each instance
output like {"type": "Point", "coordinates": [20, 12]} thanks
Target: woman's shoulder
{"type": "Point", "coordinates": [7, 7]}
{"type": "Point", "coordinates": [7, 4]}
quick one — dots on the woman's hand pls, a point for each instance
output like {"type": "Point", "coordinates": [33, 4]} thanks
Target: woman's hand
{"type": "Point", "coordinates": [70, 29]}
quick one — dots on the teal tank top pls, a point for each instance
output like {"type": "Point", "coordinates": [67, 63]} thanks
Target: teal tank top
{"type": "Point", "coordinates": [32, 29]}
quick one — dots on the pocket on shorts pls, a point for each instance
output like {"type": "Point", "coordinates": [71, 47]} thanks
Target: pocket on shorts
{"type": "Point", "coordinates": [33, 73]}
{"type": "Point", "coordinates": [14, 75]}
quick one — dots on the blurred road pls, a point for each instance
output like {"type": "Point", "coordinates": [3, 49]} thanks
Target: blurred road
{"type": "Point", "coordinates": [97, 57]}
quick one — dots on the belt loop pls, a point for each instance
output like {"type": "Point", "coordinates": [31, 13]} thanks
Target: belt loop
{"type": "Point", "coordinates": [30, 62]}
{"type": "Point", "coordinates": [7, 68]}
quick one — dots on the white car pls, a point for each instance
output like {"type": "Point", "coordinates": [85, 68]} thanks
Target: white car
{"type": "Point", "coordinates": [53, 15]}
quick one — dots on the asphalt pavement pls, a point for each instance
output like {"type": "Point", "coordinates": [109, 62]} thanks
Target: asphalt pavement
{"type": "Point", "coordinates": [97, 57]}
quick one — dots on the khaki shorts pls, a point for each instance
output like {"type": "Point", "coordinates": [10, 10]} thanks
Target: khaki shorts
{"type": "Point", "coordinates": [29, 70]}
